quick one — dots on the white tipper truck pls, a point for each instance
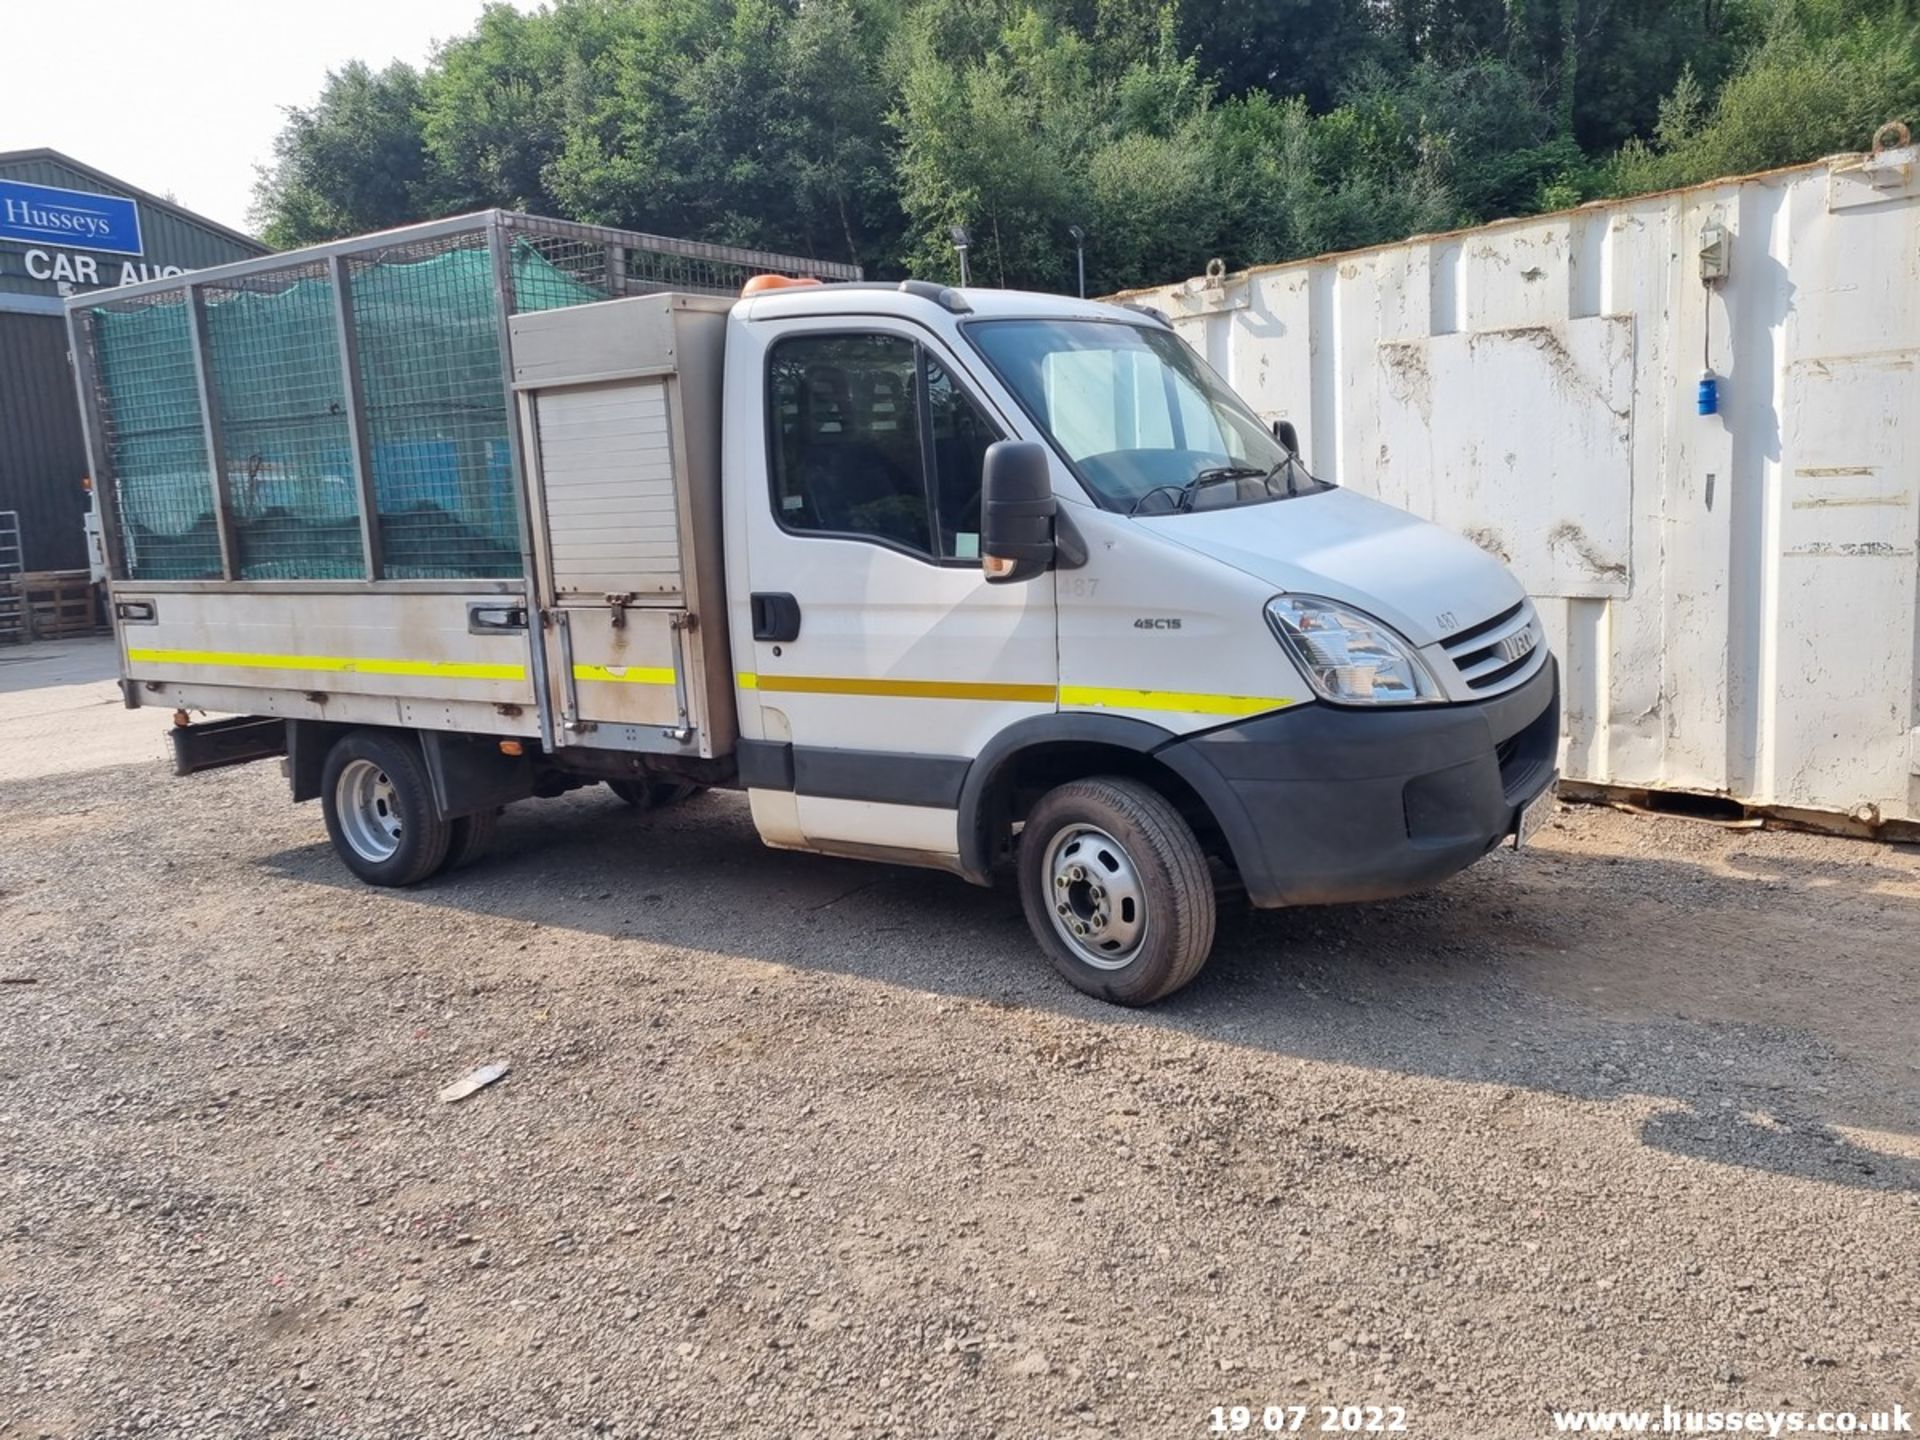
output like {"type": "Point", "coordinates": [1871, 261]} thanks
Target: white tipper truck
{"type": "Point", "coordinates": [1004, 584]}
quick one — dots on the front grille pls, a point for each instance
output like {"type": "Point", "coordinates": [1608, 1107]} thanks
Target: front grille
{"type": "Point", "coordinates": [1485, 654]}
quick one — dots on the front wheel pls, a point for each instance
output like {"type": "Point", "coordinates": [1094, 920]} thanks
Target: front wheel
{"type": "Point", "coordinates": [1116, 889]}
{"type": "Point", "coordinates": [380, 811]}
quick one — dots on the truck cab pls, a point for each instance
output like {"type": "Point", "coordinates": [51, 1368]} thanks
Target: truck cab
{"type": "Point", "coordinates": [1008, 585]}
{"type": "Point", "coordinates": [1201, 664]}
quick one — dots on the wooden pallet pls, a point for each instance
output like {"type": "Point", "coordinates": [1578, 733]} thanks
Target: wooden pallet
{"type": "Point", "coordinates": [60, 604]}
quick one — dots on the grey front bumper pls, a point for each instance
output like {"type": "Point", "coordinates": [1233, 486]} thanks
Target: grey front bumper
{"type": "Point", "coordinates": [1322, 804]}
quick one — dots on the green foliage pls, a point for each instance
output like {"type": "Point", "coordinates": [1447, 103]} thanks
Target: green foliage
{"type": "Point", "coordinates": [1827, 74]}
{"type": "Point", "coordinates": [1171, 131]}
{"type": "Point", "coordinates": [355, 161]}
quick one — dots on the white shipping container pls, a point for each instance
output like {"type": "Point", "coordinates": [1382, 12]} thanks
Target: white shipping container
{"type": "Point", "coordinates": [1732, 596]}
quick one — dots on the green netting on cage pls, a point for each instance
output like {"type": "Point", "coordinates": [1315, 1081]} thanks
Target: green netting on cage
{"type": "Point", "coordinates": [435, 404]}
{"type": "Point", "coordinates": [433, 394]}
{"type": "Point", "coordinates": [281, 409]}
{"type": "Point", "coordinates": [539, 284]}
{"type": "Point", "coordinates": [163, 486]}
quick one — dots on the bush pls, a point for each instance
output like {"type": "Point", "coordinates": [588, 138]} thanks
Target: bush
{"type": "Point", "coordinates": [1811, 89]}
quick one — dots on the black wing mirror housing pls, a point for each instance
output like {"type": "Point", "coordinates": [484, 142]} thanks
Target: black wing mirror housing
{"type": "Point", "coordinates": [1288, 437]}
{"type": "Point", "coordinates": [1017, 512]}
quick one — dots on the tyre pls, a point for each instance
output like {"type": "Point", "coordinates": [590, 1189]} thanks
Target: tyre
{"type": "Point", "coordinates": [1116, 889]}
{"type": "Point", "coordinates": [380, 811]}
{"type": "Point", "coordinates": [653, 794]}
{"type": "Point", "coordinates": [468, 838]}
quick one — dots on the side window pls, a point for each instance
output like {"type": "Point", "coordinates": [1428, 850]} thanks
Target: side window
{"type": "Point", "coordinates": [961, 435]}
{"type": "Point", "coordinates": [847, 454]}
{"type": "Point", "coordinates": [873, 437]}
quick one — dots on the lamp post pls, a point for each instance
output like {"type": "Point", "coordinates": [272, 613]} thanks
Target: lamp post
{"type": "Point", "coordinates": [1080, 256]}
{"type": "Point", "coordinates": [962, 242]}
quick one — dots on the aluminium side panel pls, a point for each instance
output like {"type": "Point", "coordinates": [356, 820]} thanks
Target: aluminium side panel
{"type": "Point", "coordinates": [444, 660]}
{"type": "Point", "coordinates": [1733, 596]}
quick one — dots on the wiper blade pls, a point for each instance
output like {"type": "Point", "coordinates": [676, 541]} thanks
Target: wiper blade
{"type": "Point", "coordinates": [1223, 472]}
{"type": "Point", "coordinates": [1295, 469]}
{"type": "Point", "coordinates": [1183, 494]}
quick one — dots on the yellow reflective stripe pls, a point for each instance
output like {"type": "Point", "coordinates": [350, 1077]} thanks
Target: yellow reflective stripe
{"type": "Point", "coordinates": [1075, 697]}
{"type": "Point", "coordinates": [625, 674]}
{"type": "Point", "coordinates": [897, 689]}
{"type": "Point", "coordinates": [336, 664]}
{"type": "Point", "coordinates": [1091, 697]}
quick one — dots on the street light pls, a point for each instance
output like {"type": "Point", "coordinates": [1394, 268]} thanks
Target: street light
{"type": "Point", "coordinates": [1080, 256]}
{"type": "Point", "coordinates": [962, 242]}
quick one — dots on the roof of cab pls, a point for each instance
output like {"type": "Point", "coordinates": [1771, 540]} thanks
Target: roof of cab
{"type": "Point", "coordinates": [881, 298]}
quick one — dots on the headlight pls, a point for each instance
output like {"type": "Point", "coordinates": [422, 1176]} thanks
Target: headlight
{"type": "Point", "coordinates": [1349, 657]}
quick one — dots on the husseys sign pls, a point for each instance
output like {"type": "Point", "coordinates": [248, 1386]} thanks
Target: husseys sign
{"type": "Point", "coordinates": [45, 215]}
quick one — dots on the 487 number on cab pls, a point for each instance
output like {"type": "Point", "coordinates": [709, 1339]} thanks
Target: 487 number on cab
{"type": "Point", "coordinates": [1290, 1419]}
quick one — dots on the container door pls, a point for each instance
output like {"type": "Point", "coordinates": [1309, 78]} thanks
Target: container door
{"type": "Point", "coordinates": [607, 509]}
{"type": "Point", "coordinates": [881, 662]}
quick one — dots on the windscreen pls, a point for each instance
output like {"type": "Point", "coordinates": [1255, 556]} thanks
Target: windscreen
{"type": "Point", "coordinates": [1138, 415]}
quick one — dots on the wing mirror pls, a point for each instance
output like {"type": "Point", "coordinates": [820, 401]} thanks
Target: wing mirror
{"type": "Point", "coordinates": [1288, 437]}
{"type": "Point", "coordinates": [1017, 512]}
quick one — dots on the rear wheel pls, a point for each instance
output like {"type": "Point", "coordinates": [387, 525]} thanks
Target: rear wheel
{"type": "Point", "coordinates": [380, 811]}
{"type": "Point", "coordinates": [1116, 889]}
{"type": "Point", "coordinates": [469, 838]}
{"type": "Point", "coordinates": [653, 794]}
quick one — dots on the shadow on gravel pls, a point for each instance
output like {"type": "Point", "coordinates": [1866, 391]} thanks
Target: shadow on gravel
{"type": "Point", "coordinates": [1468, 983]}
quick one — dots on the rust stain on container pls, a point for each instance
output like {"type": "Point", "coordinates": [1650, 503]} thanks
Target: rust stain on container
{"type": "Point", "coordinates": [1836, 502]}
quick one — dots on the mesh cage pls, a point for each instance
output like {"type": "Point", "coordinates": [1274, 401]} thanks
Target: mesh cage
{"type": "Point", "coordinates": [426, 310]}
{"type": "Point", "coordinates": [622, 262]}
{"type": "Point", "coordinates": [281, 412]}
{"type": "Point", "coordinates": [427, 326]}
{"type": "Point", "coordinates": [553, 271]}
{"type": "Point", "coordinates": [151, 432]}
{"type": "Point", "coordinates": [646, 270]}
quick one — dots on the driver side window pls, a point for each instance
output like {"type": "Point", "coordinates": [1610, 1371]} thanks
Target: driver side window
{"type": "Point", "coordinates": [873, 439]}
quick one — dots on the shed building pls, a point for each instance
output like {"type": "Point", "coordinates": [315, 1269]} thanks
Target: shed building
{"type": "Point", "coordinates": [66, 228]}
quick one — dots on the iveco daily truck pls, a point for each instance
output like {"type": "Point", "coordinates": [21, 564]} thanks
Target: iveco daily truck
{"type": "Point", "coordinates": [1009, 585]}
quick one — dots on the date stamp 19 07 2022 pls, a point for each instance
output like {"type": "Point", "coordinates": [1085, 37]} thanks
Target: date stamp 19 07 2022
{"type": "Point", "coordinates": [1308, 1419]}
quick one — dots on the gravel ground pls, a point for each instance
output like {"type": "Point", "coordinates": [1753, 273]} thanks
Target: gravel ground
{"type": "Point", "coordinates": [798, 1147]}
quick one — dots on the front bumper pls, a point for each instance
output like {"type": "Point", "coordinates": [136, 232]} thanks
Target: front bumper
{"type": "Point", "coordinates": [1322, 804]}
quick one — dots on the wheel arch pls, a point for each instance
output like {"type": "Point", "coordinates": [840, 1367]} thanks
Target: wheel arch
{"type": "Point", "coordinates": [1033, 755]}
{"type": "Point", "coordinates": [467, 773]}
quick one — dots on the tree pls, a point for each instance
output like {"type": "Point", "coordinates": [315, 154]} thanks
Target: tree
{"type": "Point", "coordinates": [997, 144]}
{"type": "Point", "coordinates": [495, 104]}
{"type": "Point", "coordinates": [1827, 75]}
{"type": "Point", "coordinates": [355, 160]}
{"type": "Point", "coordinates": [1283, 48]}
{"type": "Point", "coordinates": [1172, 131]}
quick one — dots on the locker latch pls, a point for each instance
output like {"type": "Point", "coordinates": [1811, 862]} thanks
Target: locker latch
{"type": "Point", "coordinates": [618, 603]}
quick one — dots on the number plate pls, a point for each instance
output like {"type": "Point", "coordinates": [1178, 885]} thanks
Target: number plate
{"type": "Point", "coordinates": [1534, 816]}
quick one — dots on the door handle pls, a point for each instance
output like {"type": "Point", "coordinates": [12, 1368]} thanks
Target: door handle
{"type": "Point", "coordinates": [775, 616]}
{"type": "Point", "coordinates": [491, 618]}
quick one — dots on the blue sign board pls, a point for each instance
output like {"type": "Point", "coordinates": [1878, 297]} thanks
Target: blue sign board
{"type": "Point", "coordinates": [74, 219]}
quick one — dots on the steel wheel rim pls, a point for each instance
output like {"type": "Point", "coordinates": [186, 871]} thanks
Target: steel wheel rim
{"type": "Point", "coordinates": [369, 810]}
{"type": "Point", "coordinates": [1095, 897]}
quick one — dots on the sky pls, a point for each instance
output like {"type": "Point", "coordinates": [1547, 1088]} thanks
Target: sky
{"type": "Point", "coordinates": [184, 98]}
